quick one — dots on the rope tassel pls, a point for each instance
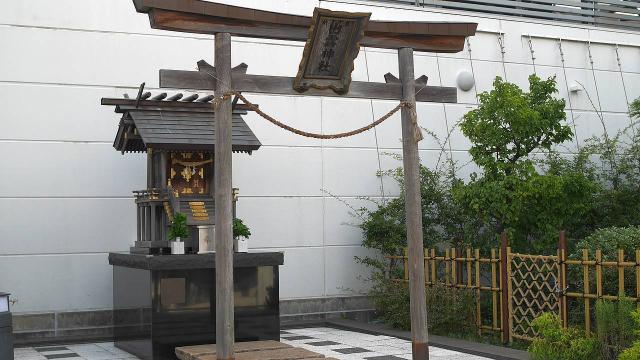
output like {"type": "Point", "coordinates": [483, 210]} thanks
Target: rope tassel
{"type": "Point", "coordinates": [417, 132]}
{"type": "Point", "coordinates": [226, 96]}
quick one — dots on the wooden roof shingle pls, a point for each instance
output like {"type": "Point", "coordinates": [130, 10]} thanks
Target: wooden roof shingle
{"type": "Point", "coordinates": [175, 126]}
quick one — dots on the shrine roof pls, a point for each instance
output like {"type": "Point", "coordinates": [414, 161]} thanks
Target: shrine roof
{"type": "Point", "coordinates": [175, 125]}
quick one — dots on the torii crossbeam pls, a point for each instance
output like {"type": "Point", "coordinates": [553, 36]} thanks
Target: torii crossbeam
{"type": "Point", "coordinates": [327, 44]}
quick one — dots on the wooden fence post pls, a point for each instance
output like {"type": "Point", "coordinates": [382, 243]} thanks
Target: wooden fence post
{"type": "Point", "coordinates": [504, 286]}
{"type": "Point", "coordinates": [454, 268]}
{"type": "Point", "coordinates": [494, 296]}
{"type": "Point", "coordinates": [562, 279]}
{"type": "Point", "coordinates": [478, 291]}
{"type": "Point", "coordinates": [426, 266]}
{"type": "Point", "coordinates": [598, 274]}
{"type": "Point", "coordinates": [434, 275]}
{"type": "Point", "coordinates": [587, 301]}
{"type": "Point", "coordinates": [620, 273]}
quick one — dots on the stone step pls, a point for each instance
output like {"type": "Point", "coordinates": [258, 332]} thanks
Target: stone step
{"type": "Point", "coordinates": [253, 350]}
{"type": "Point", "coordinates": [193, 352]}
{"type": "Point", "coordinates": [278, 354]}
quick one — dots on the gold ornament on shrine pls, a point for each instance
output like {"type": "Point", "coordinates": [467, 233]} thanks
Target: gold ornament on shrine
{"type": "Point", "coordinates": [332, 47]}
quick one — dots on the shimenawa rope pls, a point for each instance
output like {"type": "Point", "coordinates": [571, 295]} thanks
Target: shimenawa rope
{"type": "Point", "coordinates": [418, 133]}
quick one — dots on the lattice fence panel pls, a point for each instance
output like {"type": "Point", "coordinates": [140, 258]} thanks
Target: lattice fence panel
{"type": "Point", "coordinates": [533, 291]}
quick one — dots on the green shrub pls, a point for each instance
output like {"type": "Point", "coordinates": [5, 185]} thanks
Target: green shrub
{"type": "Point", "coordinates": [556, 343]}
{"type": "Point", "coordinates": [240, 229]}
{"type": "Point", "coordinates": [391, 300]}
{"type": "Point", "coordinates": [449, 311]}
{"type": "Point", "coordinates": [634, 108]}
{"type": "Point", "coordinates": [633, 353]}
{"type": "Point", "coordinates": [178, 227]}
{"type": "Point", "coordinates": [615, 326]}
{"type": "Point", "coordinates": [609, 240]}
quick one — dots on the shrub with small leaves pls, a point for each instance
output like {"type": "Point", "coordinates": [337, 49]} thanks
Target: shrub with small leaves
{"type": "Point", "coordinates": [450, 311]}
{"type": "Point", "coordinates": [633, 353]}
{"type": "Point", "coordinates": [557, 343]}
{"type": "Point", "coordinates": [615, 326]}
{"type": "Point", "coordinates": [634, 108]}
{"type": "Point", "coordinates": [240, 229]}
{"type": "Point", "coordinates": [608, 240]}
{"type": "Point", "coordinates": [178, 227]}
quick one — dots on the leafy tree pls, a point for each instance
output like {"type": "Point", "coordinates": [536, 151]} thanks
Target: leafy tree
{"type": "Point", "coordinates": [505, 130]}
{"type": "Point", "coordinates": [615, 163]}
{"type": "Point", "coordinates": [444, 221]}
{"type": "Point", "coordinates": [509, 124]}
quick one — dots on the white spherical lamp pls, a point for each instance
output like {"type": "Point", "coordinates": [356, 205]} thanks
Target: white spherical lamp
{"type": "Point", "coordinates": [465, 80]}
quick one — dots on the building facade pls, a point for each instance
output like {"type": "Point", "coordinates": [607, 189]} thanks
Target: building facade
{"type": "Point", "coordinates": [65, 193]}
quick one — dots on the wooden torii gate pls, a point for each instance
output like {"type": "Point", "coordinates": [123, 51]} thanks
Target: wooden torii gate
{"type": "Point", "coordinates": [333, 40]}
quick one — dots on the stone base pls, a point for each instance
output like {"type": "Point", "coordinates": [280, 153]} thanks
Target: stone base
{"type": "Point", "coordinates": [98, 325]}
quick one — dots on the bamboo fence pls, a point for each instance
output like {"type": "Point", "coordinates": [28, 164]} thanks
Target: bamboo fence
{"type": "Point", "coordinates": [526, 285]}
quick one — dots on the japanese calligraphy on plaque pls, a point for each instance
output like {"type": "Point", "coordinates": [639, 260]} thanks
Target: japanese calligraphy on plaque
{"type": "Point", "coordinates": [332, 46]}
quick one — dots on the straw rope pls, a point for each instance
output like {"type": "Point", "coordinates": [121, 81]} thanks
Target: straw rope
{"type": "Point", "coordinates": [418, 133]}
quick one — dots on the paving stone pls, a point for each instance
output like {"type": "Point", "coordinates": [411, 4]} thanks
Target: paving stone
{"type": "Point", "coordinates": [62, 356]}
{"type": "Point", "coordinates": [298, 337]}
{"type": "Point", "coordinates": [51, 348]}
{"type": "Point", "coordinates": [323, 343]}
{"type": "Point", "coordinates": [352, 350]}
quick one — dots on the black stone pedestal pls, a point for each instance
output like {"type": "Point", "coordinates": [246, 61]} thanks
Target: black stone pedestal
{"type": "Point", "coordinates": [166, 301]}
{"type": "Point", "coordinates": [6, 337]}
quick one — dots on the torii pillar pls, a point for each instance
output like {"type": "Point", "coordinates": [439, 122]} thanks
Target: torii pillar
{"type": "Point", "coordinates": [413, 207]}
{"type": "Point", "coordinates": [223, 199]}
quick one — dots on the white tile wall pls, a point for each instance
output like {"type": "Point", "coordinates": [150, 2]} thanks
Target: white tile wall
{"type": "Point", "coordinates": [62, 169]}
{"type": "Point", "coordinates": [343, 275]}
{"type": "Point", "coordinates": [72, 113]}
{"type": "Point", "coordinates": [57, 282]}
{"type": "Point", "coordinates": [270, 220]}
{"type": "Point", "coordinates": [302, 275]}
{"type": "Point", "coordinates": [66, 225]}
{"type": "Point", "coordinates": [279, 171]}
{"type": "Point", "coordinates": [94, 58]}
{"type": "Point", "coordinates": [341, 219]}
{"type": "Point", "coordinates": [58, 162]}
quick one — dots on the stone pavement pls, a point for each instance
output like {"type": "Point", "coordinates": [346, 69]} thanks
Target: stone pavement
{"type": "Point", "coordinates": [348, 345]}
{"type": "Point", "coordinates": [97, 351]}
{"type": "Point", "coordinates": [335, 343]}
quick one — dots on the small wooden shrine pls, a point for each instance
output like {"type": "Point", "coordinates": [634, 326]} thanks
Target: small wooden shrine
{"type": "Point", "coordinates": [161, 301]}
{"type": "Point", "coordinates": [178, 135]}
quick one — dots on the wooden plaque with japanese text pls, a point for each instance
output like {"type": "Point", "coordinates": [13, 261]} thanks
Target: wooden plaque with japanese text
{"type": "Point", "coordinates": [332, 46]}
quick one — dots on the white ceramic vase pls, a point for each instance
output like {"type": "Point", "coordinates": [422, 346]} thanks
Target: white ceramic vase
{"type": "Point", "coordinates": [177, 247]}
{"type": "Point", "coordinates": [241, 245]}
